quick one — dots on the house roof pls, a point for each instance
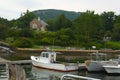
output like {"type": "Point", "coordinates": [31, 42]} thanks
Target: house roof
{"type": "Point", "coordinates": [43, 23]}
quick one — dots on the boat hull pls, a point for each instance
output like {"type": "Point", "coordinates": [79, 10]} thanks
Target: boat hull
{"type": "Point", "coordinates": [40, 73]}
{"type": "Point", "coordinates": [95, 65]}
{"type": "Point", "coordinates": [112, 69]}
{"type": "Point", "coordinates": [56, 66]}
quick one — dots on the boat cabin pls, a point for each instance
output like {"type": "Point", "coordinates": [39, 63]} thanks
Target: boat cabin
{"type": "Point", "coordinates": [48, 57]}
{"type": "Point", "coordinates": [98, 56]}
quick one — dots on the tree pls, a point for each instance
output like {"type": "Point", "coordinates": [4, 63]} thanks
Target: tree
{"type": "Point", "coordinates": [5, 22]}
{"type": "Point", "coordinates": [108, 19]}
{"type": "Point", "coordinates": [64, 37]}
{"type": "Point", "coordinates": [116, 32]}
{"type": "Point", "coordinates": [44, 38]}
{"type": "Point", "coordinates": [24, 21]}
{"type": "Point", "coordinates": [89, 25]}
{"type": "Point", "coordinates": [26, 33]}
{"type": "Point", "coordinates": [3, 31]}
{"type": "Point", "coordinates": [13, 33]}
{"type": "Point", "coordinates": [4, 27]}
{"type": "Point", "coordinates": [51, 26]}
{"type": "Point", "coordinates": [23, 42]}
{"type": "Point", "coordinates": [116, 29]}
{"type": "Point", "coordinates": [62, 22]}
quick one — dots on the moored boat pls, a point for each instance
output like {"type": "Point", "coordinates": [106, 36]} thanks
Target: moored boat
{"type": "Point", "coordinates": [96, 65]}
{"type": "Point", "coordinates": [47, 60]}
{"type": "Point", "coordinates": [113, 66]}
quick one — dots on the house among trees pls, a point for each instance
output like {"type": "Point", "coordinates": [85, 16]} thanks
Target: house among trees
{"type": "Point", "coordinates": [38, 24]}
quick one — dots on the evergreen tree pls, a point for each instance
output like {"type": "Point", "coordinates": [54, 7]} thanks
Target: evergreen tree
{"type": "Point", "coordinates": [62, 22]}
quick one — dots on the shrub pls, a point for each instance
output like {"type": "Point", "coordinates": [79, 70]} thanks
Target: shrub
{"type": "Point", "coordinates": [23, 43]}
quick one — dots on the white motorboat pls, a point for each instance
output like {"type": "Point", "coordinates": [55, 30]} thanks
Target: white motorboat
{"type": "Point", "coordinates": [113, 66]}
{"type": "Point", "coordinates": [96, 65]}
{"type": "Point", "coordinates": [47, 60]}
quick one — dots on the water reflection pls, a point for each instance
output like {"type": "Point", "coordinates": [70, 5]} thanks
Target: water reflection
{"type": "Point", "coordinates": [43, 74]}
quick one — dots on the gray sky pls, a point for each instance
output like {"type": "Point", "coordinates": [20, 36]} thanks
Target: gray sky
{"type": "Point", "coordinates": [11, 9]}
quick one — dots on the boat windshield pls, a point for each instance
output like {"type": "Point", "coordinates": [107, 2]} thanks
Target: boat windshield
{"type": "Point", "coordinates": [45, 55]}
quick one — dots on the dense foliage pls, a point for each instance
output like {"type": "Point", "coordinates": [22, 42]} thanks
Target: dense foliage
{"type": "Point", "coordinates": [86, 30]}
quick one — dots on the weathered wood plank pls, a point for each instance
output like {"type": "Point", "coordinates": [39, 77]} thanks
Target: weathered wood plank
{"type": "Point", "coordinates": [16, 72]}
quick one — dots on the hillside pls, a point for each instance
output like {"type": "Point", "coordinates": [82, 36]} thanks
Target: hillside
{"type": "Point", "coordinates": [53, 13]}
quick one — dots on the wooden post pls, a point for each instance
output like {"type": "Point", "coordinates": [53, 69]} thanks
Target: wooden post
{"type": "Point", "coordinates": [16, 72]}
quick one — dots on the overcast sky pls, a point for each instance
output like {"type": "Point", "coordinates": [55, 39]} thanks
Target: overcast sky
{"type": "Point", "coordinates": [11, 9]}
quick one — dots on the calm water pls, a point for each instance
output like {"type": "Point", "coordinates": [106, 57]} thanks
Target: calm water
{"type": "Point", "coordinates": [33, 73]}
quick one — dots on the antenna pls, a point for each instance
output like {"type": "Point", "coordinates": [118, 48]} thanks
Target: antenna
{"type": "Point", "coordinates": [53, 44]}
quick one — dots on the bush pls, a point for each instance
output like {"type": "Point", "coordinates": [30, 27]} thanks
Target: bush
{"type": "Point", "coordinates": [98, 44]}
{"type": "Point", "coordinates": [23, 43]}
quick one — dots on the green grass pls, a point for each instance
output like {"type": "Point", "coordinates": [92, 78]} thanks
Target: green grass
{"type": "Point", "coordinates": [113, 45]}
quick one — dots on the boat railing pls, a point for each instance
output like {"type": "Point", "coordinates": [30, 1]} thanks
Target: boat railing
{"type": "Point", "coordinates": [112, 63]}
{"type": "Point", "coordinates": [98, 56]}
{"type": "Point", "coordinates": [78, 77]}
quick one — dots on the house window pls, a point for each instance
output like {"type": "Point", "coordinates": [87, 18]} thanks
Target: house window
{"type": "Point", "coordinates": [34, 26]}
